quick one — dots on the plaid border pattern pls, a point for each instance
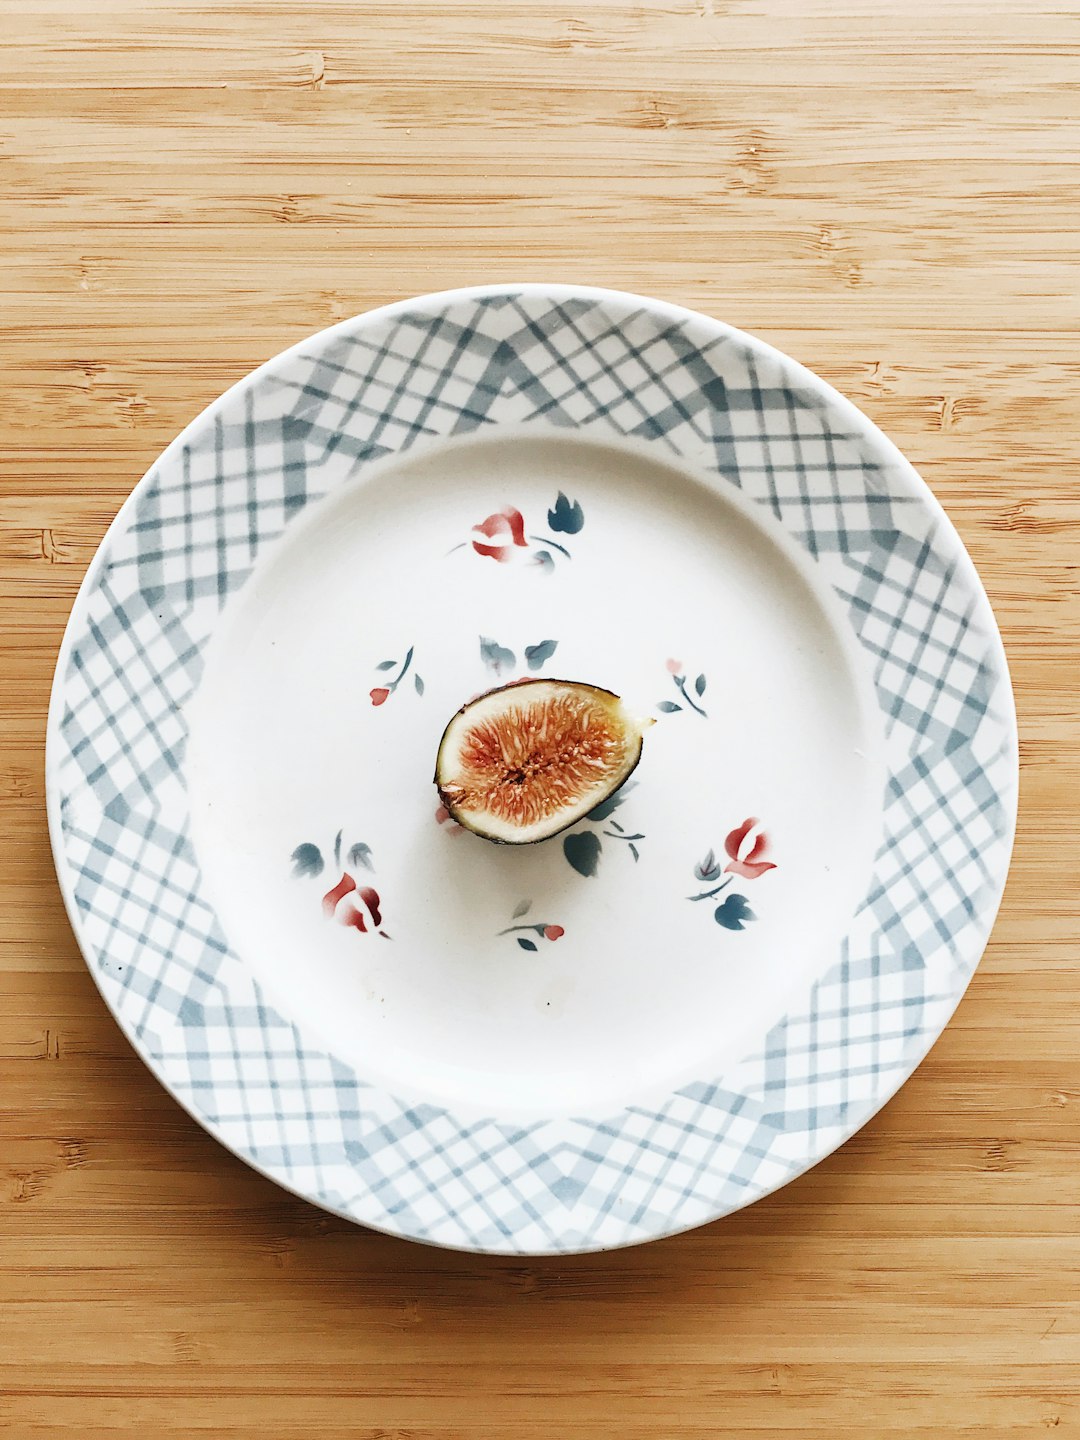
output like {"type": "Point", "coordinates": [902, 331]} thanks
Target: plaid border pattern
{"type": "Point", "coordinates": [611, 365]}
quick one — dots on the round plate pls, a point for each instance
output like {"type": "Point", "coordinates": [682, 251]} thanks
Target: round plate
{"type": "Point", "coordinates": [689, 997]}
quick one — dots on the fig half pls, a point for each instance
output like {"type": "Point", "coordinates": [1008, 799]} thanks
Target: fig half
{"type": "Point", "coordinates": [523, 762]}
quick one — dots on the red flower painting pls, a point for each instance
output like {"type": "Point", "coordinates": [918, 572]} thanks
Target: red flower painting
{"type": "Point", "coordinates": [521, 933]}
{"type": "Point", "coordinates": [501, 536]}
{"type": "Point", "coordinates": [357, 906]}
{"type": "Point", "coordinates": [746, 848]}
{"type": "Point", "coordinates": [497, 536]}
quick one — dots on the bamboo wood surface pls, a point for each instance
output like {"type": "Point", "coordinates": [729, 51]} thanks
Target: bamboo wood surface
{"type": "Point", "coordinates": [888, 192]}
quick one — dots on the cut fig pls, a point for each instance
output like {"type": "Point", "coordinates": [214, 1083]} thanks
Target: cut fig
{"type": "Point", "coordinates": [523, 762]}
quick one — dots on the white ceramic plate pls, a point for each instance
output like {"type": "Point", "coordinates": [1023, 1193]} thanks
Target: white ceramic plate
{"type": "Point", "coordinates": [688, 998]}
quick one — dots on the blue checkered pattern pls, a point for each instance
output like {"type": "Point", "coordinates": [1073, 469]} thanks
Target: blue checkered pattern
{"type": "Point", "coordinates": [607, 365]}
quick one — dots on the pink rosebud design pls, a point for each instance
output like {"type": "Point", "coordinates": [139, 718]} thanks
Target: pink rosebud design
{"type": "Point", "coordinates": [352, 916]}
{"type": "Point", "coordinates": [340, 890]}
{"type": "Point", "coordinates": [746, 848]}
{"type": "Point", "coordinates": [371, 899]}
{"type": "Point", "coordinates": [674, 667]}
{"type": "Point", "coordinates": [553, 932]}
{"type": "Point", "coordinates": [353, 906]}
{"type": "Point", "coordinates": [501, 531]}
{"type": "Point", "coordinates": [380, 695]}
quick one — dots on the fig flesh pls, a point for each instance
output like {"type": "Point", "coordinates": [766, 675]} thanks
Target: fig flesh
{"type": "Point", "coordinates": [525, 761]}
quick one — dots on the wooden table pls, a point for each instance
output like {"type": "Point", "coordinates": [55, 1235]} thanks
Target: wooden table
{"type": "Point", "coordinates": [888, 192]}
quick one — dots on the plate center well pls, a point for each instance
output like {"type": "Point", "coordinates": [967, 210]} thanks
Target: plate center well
{"type": "Point", "coordinates": [433, 576]}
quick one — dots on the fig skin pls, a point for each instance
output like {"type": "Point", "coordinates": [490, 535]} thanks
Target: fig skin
{"type": "Point", "coordinates": [450, 794]}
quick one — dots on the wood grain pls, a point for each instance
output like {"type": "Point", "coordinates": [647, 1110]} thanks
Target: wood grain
{"type": "Point", "coordinates": [888, 192]}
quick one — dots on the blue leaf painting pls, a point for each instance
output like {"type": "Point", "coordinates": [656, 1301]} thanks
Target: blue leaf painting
{"type": "Point", "coordinates": [537, 654]}
{"type": "Point", "coordinates": [668, 707]}
{"type": "Point", "coordinates": [526, 944]}
{"type": "Point", "coordinates": [566, 517]}
{"type": "Point", "coordinates": [699, 684]}
{"type": "Point", "coordinates": [583, 851]}
{"type": "Point", "coordinates": [307, 860]}
{"type": "Point", "coordinates": [360, 854]}
{"type": "Point", "coordinates": [419, 684]}
{"type": "Point", "coordinates": [543, 558]}
{"type": "Point", "coordinates": [521, 908]}
{"type": "Point", "coordinates": [495, 656]}
{"type": "Point", "coordinates": [733, 913]}
{"type": "Point", "coordinates": [708, 869]}
{"type": "Point", "coordinates": [386, 665]}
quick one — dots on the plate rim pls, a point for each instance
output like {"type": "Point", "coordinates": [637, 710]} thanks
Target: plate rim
{"type": "Point", "coordinates": [556, 292]}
